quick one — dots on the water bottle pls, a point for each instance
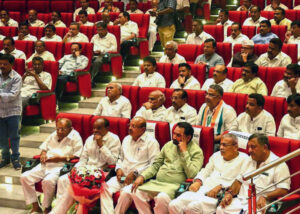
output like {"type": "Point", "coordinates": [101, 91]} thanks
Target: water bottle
{"type": "Point", "coordinates": [182, 188]}
{"type": "Point", "coordinates": [28, 164]}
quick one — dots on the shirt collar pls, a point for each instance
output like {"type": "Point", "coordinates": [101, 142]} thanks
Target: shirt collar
{"type": "Point", "coordinates": [10, 75]}
{"type": "Point", "coordinates": [142, 138]}
{"type": "Point", "coordinates": [183, 108]}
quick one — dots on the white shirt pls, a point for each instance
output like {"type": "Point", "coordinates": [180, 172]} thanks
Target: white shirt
{"type": "Point", "coordinates": [225, 84]}
{"type": "Point", "coordinates": [118, 108]}
{"type": "Point", "coordinates": [88, 24]}
{"type": "Point", "coordinates": [281, 89]}
{"type": "Point", "coordinates": [152, 26]}
{"type": "Point", "coordinates": [30, 85]}
{"type": "Point", "coordinates": [69, 63]}
{"type": "Point", "coordinates": [219, 171]}
{"type": "Point", "coordinates": [185, 114]}
{"type": "Point", "coordinates": [54, 38]}
{"type": "Point", "coordinates": [198, 40]}
{"type": "Point", "coordinates": [106, 44]}
{"type": "Point", "coordinates": [270, 8]}
{"type": "Point", "coordinates": [127, 29]}
{"type": "Point", "coordinates": [263, 123]}
{"type": "Point", "coordinates": [281, 60]}
{"type": "Point", "coordinates": [226, 24]}
{"type": "Point", "coordinates": [28, 37]}
{"type": "Point", "coordinates": [293, 40]}
{"type": "Point", "coordinates": [150, 114]}
{"type": "Point", "coordinates": [289, 127]}
{"type": "Point", "coordinates": [16, 53]}
{"type": "Point", "coordinates": [80, 37]}
{"type": "Point", "coordinates": [59, 23]}
{"type": "Point", "coordinates": [70, 145]}
{"type": "Point", "coordinates": [191, 83]}
{"type": "Point", "coordinates": [108, 154]}
{"type": "Point", "coordinates": [137, 11]}
{"type": "Point", "coordinates": [46, 55]}
{"type": "Point", "coordinates": [249, 21]}
{"type": "Point", "coordinates": [240, 39]}
{"type": "Point", "coordinates": [10, 22]}
{"type": "Point", "coordinates": [89, 10]}
{"type": "Point", "coordinates": [176, 60]}
{"type": "Point", "coordinates": [37, 23]}
{"type": "Point", "coordinates": [182, 4]}
{"type": "Point", "coordinates": [137, 155]}
{"type": "Point", "coordinates": [152, 80]}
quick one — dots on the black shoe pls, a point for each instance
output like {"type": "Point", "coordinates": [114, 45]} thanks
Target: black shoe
{"type": "Point", "coordinates": [4, 163]}
{"type": "Point", "coordinates": [16, 165]}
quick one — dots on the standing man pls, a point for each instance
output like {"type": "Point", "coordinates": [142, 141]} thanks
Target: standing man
{"type": "Point", "coordinates": [10, 111]}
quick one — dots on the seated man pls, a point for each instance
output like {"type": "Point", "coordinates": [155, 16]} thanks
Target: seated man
{"type": "Point", "coordinates": [50, 34]}
{"type": "Point", "coordinates": [265, 34]}
{"type": "Point", "coordinates": [259, 149]}
{"type": "Point", "coordinates": [150, 77]}
{"type": "Point", "coordinates": [246, 6]}
{"type": "Point", "coordinates": [236, 36]}
{"type": "Point", "coordinates": [180, 111]}
{"type": "Point", "coordinates": [255, 119]}
{"type": "Point", "coordinates": [255, 17]}
{"type": "Point", "coordinates": [67, 66]}
{"type": "Point", "coordinates": [35, 79]}
{"type": "Point", "coordinates": [274, 5]}
{"type": "Point", "coordinates": [106, 18]}
{"type": "Point", "coordinates": [250, 82]}
{"type": "Point", "coordinates": [290, 84]}
{"type": "Point", "coordinates": [178, 160]}
{"type": "Point", "coordinates": [56, 19]}
{"type": "Point", "coordinates": [23, 33]}
{"type": "Point", "coordinates": [279, 18]}
{"type": "Point", "coordinates": [109, 7]}
{"type": "Point", "coordinates": [171, 55]}
{"type": "Point", "coordinates": [9, 48]}
{"type": "Point", "coordinates": [219, 78]}
{"type": "Point", "coordinates": [133, 5]}
{"type": "Point", "coordinates": [154, 108]}
{"type": "Point", "coordinates": [102, 148]}
{"type": "Point", "coordinates": [152, 31]}
{"type": "Point", "coordinates": [209, 58]}
{"type": "Point", "coordinates": [198, 36]}
{"type": "Point", "coordinates": [290, 123]}
{"type": "Point", "coordinates": [61, 146]}
{"type": "Point", "coordinates": [74, 35]}
{"type": "Point", "coordinates": [33, 21]}
{"type": "Point", "coordinates": [104, 42]}
{"type": "Point", "coordinates": [83, 19]}
{"type": "Point", "coordinates": [114, 104]}
{"type": "Point", "coordinates": [274, 56]}
{"type": "Point", "coordinates": [293, 37]}
{"type": "Point", "coordinates": [215, 112]}
{"type": "Point", "coordinates": [6, 20]}
{"type": "Point", "coordinates": [185, 78]}
{"type": "Point", "coordinates": [139, 149]}
{"type": "Point", "coordinates": [85, 7]}
{"type": "Point", "coordinates": [40, 51]}
{"type": "Point", "coordinates": [246, 55]}
{"type": "Point", "coordinates": [223, 19]}
{"type": "Point", "coordinates": [220, 172]}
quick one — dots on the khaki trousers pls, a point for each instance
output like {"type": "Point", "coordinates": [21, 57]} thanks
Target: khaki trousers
{"type": "Point", "coordinates": [166, 33]}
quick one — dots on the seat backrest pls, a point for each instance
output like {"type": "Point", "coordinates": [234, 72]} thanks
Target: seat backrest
{"type": "Point", "coordinates": [14, 6]}
{"type": "Point", "coordinates": [89, 31]}
{"type": "Point", "coordinates": [86, 50]}
{"type": "Point", "coordinates": [131, 92]}
{"type": "Point", "coordinates": [115, 30]}
{"type": "Point", "coordinates": [162, 132]}
{"type": "Point", "coordinates": [196, 98]}
{"type": "Point", "coordinates": [62, 6]}
{"type": "Point", "coordinates": [215, 31]}
{"type": "Point", "coordinates": [41, 6]}
{"type": "Point", "coordinates": [67, 18]}
{"type": "Point", "coordinates": [166, 70]}
{"type": "Point", "coordinates": [45, 17]}
{"type": "Point", "coordinates": [270, 76]}
{"type": "Point", "coordinates": [249, 31]}
{"type": "Point", "coordinates": [61, 31]}
{"type": "Point", "coordinates": [143, 21]}
{"type": "Point", "coordinates": [267, 14]}
{"type": "Point", "coordinates": [279, 146]}
{"type": "Point", "coordinates": [238, 16]}
{"type": "Point", "coordinates": [289, 49]}
{"type": "Point", "coordinates": [291, 14]}
{"type": "Point", "coordinates": [236, 100]}
{"type": "Point", "coordinates": [276, 106]}
{"type": "Point", "coordinates": [113, 16]}
{"type": "Point", "coordinates": [198, 71]}
{"type": "Point", "coordinates": [9, 31]}
{"type": "Point", "coordinates": [19, 66]}
{"type": "Point", "coordinates": [279, 30]}
{"type": "Point", "coordinates": [56, 48]}
{"type": "Point", "coordinates": [77, 120]}
{"type": "Point", "coordinates": [294, 165]}
{"type": "Point", "coordinates": [188, 51]}
{"type": "Point", "coordinates": [26, 46]}
{"type": "Point", "coordinates": [38, 32]}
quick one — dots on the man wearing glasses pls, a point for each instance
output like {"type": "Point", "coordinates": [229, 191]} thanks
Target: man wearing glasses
{"type": "Point", "coordinates": [246, 55]}
{"type": "Point", "coordinates": [215, 112]}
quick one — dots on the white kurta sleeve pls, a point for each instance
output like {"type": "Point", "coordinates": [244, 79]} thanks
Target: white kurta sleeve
{"type": "Point", "coordinates": [111, 151]}
{"type": "Point", "coordinates": [126, 110]}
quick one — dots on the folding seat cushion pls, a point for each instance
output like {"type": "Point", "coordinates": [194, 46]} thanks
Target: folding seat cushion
{"type": "Point", "coordinates": [77, 120]}
{"type": "Point", "coordinates": [289, 49]}
{"type": "Point", "coordinates": [165, 69]}
{"type": "Point", "coordinates": [214, 31]}
{"type": "Point", "coordinates": [260, 3]}
{"type": "Point", "coordinates": [270, 76]}
{"type": "Point", "coordinates": [19, 66]}
{"type": "Point", "coordinates": [66, 17]}
{"type": "Point", "coordinates": [279, 30]}
{"type": "Point", "coordinates": [267, 14]}
{"type": "Point", "coordinates": [38, 32]}
{"type": "Point", "coordinates": [131, 92]}
{"type": "Point", "coordinates": [89, 31]}
{"type": "Point", "coordinates": [277, 106]}
{"type": "Point", "coordinates": [291, 14]}
{"type": "Point", "coordinates": [40, 6]}
{"type": "Point", "coordinates": [238, 16]}
{"type": "Point", "coordinates": [144, 93]}
{"type": "Point", "coordinates": [61, 31]}
{"type": "Point", "coordinates": [198, 71]}
{"type": "Point", "coordinates": [233, 73]}
{"type": "Point", "coordinates": [14, 6]}
{"type": "Point", "coordinates": [62, 6]}
{"type": "Point", "coordinates": [91, 18]}
{"type": "Point", "coordinates": [26, 46]}
{"type": "Point", "coordinates": [113, 16]}
{"type": "Point", "coordinates": [9, 31]}
{"type": "Point", "coordinates": [249, 31]}
{"type": "Point", "coordinates": [56, 48]}
{"type": "Point", "coordinates": [287, 3]}
{"type": "Point", "coordinates": [188, 51]}
{"type": "Point", "coordinates": [237, 101]}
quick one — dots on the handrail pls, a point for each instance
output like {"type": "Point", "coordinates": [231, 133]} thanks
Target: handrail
{"type": "Point", "coordinates": [293, 210]}
{"type": "Point", "coordinates": [285, 158]}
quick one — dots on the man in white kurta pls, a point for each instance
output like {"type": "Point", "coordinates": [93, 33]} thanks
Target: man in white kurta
{"type": "Point", "coordinates": [255, 119]}
{"type": "Point", "coordinates": [114, 104]}
{"type": "Point", "coordinates": [102, 148]}
{"type": "Point", "coordinates": [153, 109]}
{"type": "Point", "coordinates": [40, 51]}
{"type": "Point", "coordinates": [56, 19]}
{"type": "Point", "coordinates": [74, 35]}
{"type": "Point", "coordinates": [6, 20]}
{"type": "Point", "coordinates": [9, 48]}
{"type": "Point", "coordinates": [290, 124]}
{"type": "Point", "coordinates": [150, 77]}
{"type": "Point", "coordinates": [61, 146]}
{"type": "Point", "coordinates": [275, 4]}
{"type": "Point", "coordinates": [180, 111]}
{"type": "Point", "coordinates": [33, 21]}
{"type": "Point", "coordinates": [133, 8]}
{"type": "Point", "coordinates": [294, 36]}
{"type": "Point", "coordinates": [50, 34]}
{"type": "Point", "coordinates": [171, 55]}
{"type": "Point", "coordinates": [215, 112]}
{"type": "Point", "coordinates": [236, 36]}
{"type": "Point", "coordinates": [198, 36]}
{"type": "Point", "coordinates": [255, 18]}
{"type": "Point", "coordinates": [23, 33]}
{"type": "Point", "coordinates": [139, 149]}
{"type": "Point", "coordinates": [222, 169]}
{"type": "Point", "coordinates": [223, 20]}
{"type": "Point", "coordinates": [84, 6]}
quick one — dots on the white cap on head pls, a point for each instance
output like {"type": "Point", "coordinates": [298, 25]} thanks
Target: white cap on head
{"type": "Point", "coordinates": [248, 42]}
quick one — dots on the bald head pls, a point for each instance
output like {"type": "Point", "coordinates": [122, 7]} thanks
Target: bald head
{"type": "Point", "coordinates": [114, 91]}
{"type": "Point", "coordinates": [32, 15]}
{"type": "Point", "coordinates": [101, 126]}
{"type": "Point", "coordinates": [63, 128]}
{"type": "Point", "coordinates": [156, 98]}
{"type": "Point", "coordinates": [137, 127]}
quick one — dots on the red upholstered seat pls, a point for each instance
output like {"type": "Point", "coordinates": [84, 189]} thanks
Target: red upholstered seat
{"type": "Point", "coordinates": [161, 127]}
{"type": "Point", "coordinates": [215, 31]}
{"type": "Point", "coordinates": [26, 46]}
{"type": "Point", "coordinates": [277, 106]}
{"type": "Point", "coordinates": [9, 31]}
{"type": "Point", "coordinates": [279, 30]}
{"type": "Point", "coordinates": [19, 66]}
{"type": "Point", "coordinates": [131, 92]}
{"type": "Point", "coordinates": [38, 32]}
{"type": "Point", "coordinates": [61, 31]}
{"type": "Point", "coordinates": [45, 17]}
{"type": "Point", "coordinates": [294, 165]}
{"type": "Point", "coordinates": [279, 146]}
{"type": "Point", "coordinates": [66, 17]}
{"type": "Point", "coordinates": [188, 51]}
{"type": "Point", "coordinates": [56, 48]}
{"type": "Point", "coordinates": [237, 101]}
{"type": "Point", "coordinates": [89, 31]}
{"type": "Point", "coordinates": [289, 49]}
{"type": "Point", "coordinates": [249, 31]}
{"type": "Point", "coordinates": [238, 16]}
{"type": "Point", "coordinates": [267, 14]}
{"type": "Point", "coordinates": [40, 6]}
{"type": "Point", "coordinates": [270, 76]}
{"type": "Point", "coordinates": [291, 14]}
{"type": "Point", "coordinates": [62, 6]}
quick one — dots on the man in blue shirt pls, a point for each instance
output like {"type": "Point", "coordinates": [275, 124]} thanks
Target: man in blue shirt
{"type": "Point", "coordinates": [265, 34]}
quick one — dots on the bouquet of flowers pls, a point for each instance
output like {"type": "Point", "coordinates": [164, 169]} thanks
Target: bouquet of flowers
{"type": "Point", "coordinates": [86, 184]}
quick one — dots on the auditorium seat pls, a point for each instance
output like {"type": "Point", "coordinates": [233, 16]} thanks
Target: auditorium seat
{"type": "Point", "coordinates": [26, 46]}
{"type": "Point", "coordinates": [45, 17]}
{"type": "Point", "coordinates": [249, 31]}
{"type": "Point", "coordinates": [279, 30]}
{"type": "Point", "coordinates": [267, 14]}
{"type": "Point", "coordinates": [89, 31]}
{"type": "Point", "coordinates": [67, 18]}
{"type": "Point", "coordinates": [61, 31]}
{"type": "Point", "coordinates": [277, 106]}
{"type": "Point", "coordinates": [131, 93]}
{"type": "Point", "coordinates": [162, 132]}
{"type": "Point", "coordinates": [238, 16]}
{"type": "Point", "coordinates": [9, 31]}
{"type": "Point", "coordinates": [19, 66]}
{"type": "Point", "coordinates": [215, 31]}
{"type": "Point", "coordinates": [38, 32]}
{"type": "Point", "coordinates": [40, 6]}
{"type": "Point", "coordinates": [56, 48]}
{"type": "Point", "coordinates": [188, 51]}
{"type": "Point", "coordinates": [62, 6]}
{"type": "Point", "coordinates": [270, 76]}
{"type": "Point", "coordinates": [291, 15]}
{"type": "Point", "coordinates": [14, 6]}
{"type": "Point", "coordinates": [165, 69]}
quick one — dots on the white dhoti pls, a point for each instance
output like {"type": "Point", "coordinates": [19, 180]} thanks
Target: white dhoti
{"type": "Point", "coordinates": [124, 201]}
{"type": "Point", "coordinates": [235, 207]}
{"type": "Point", "coordinates": [152, 37]}
{"type": "Point", "coordinates": [38, 173]}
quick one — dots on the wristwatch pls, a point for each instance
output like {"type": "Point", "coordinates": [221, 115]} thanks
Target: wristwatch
{"type": "Point", "coordinates": [136, 173]}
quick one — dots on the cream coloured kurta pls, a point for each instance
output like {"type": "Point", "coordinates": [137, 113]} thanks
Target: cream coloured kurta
{"type": "Point", "coordinates": [281, 89]}
{"type": "Point", "coordinates": [137, 11]}
{"type": "Point", "coordinates": [182, 4]}
{"type": "Point", "coordinates": [185, 114]}
{"type": "Point", "coordinates": [16, 53]}
{"type": "Point", "coordinates": [89, 10]}
{"type": "Point", "coordinates": [30, 85]}
{"type": "Point", "coordinates": [150, 114]}
{"type": "Point", "coordinates": [226, 84]}
{"type": "Point", "coordinates": [37, 23]}
{"type": "Point", "coordinates": [293, 40]}
{"type": "Point", "coordinates": [289, 127]}
{"type": "Point", "coordinates": [69, 63]}
{"type": "Point", "coordinates": [88, 24]}
{"type": "Point", "coordinates": [46, 56]}
{"type": "Point", "coordinates": [127, 29]}
{"type": "Point", "coordinates": [270, 8]}
{"type": "Point", "coordinates": [28, 37]}
{"type": "Point", "coordinates": [249, 21]}
{"type": "Point", "coordinates": [54, 38]}
{"type": "Point", "coordinates": [106, 44]}
{"type": "Point", "coordinates": [198, 40]}
{"type": "Point", "coordinates": [281, 60]}
{"type": "Point", "coordinates": [176, 60]}
{"type": "Point", "coordinates": [172, 167]}
{"type": "Point", "coordinates": [59, 23]}
{"type": "Point", "coordinates": [151, 80]}
{"type": "Point", "coordinates": [118, 108]}
{"type": "Point", "coordinates": [240, 39]}
{"type": "Point", "coordinates": [284, 22]}
{"type": "Point", "coordinates": [256, 85]}
{"type": "Point", "coordinates": [263, 123]}
{"type": "Point", "coordinates": [10, 23]}
{"type": "Point", "coordinates": [191, 83]}
{"type": "Point", "coordinates": [80, 37]}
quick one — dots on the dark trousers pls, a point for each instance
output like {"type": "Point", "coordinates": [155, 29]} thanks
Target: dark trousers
{"type": "Point", "coordinates": [125, 48]}
{"type": "Point", "coordinates": [97, 62]}
{"type": "Point", "coordinates": [61, 85]}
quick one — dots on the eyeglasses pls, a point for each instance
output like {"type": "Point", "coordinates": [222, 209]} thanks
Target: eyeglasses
{"type": "Point", "coordinates": [211, 95]}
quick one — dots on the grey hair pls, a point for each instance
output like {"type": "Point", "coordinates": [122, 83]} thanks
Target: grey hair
{"type": "Point", "coordinates": [174, 44]}
{"type": "Point", "coordinates": [232, 137]}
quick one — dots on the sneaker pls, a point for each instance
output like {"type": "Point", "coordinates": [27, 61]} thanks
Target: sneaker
{"type": "Point", "coordinates": [16, 165]}
{"type": "Point", "coordinates": [4, 163]}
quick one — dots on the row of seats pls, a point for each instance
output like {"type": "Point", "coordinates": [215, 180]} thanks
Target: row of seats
{"type": "Point", "coordinates": [263, 3]}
